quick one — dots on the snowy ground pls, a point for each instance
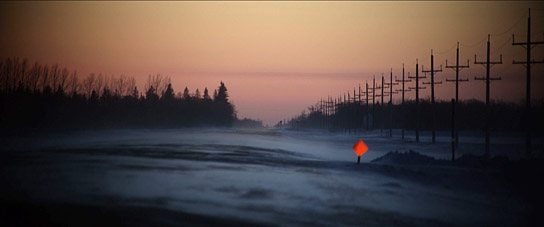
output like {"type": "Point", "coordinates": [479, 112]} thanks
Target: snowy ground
{"type": "Point", "coordinates": [205, 177]}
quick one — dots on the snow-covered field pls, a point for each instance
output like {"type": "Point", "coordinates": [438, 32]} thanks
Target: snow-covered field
{"type": "Point", "coordinates": [233, 177]}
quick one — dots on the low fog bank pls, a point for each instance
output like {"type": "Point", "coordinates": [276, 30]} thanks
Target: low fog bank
{"type": "Point", "coordinates": [277, 177]}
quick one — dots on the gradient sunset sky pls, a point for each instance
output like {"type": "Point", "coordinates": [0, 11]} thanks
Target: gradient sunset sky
{"type": "Point", "coordinates": [277, 58]}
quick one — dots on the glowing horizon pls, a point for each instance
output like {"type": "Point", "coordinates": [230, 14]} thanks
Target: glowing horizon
{"type": "Point", "coordinates": [278, 58]}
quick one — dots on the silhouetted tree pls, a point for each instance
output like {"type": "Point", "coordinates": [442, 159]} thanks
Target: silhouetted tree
{"type": "Point", "coordinates": [135, 93]}
{"type": "Point", "coordinates": [223, 109]}
{"type": "Point", "coordinates": [94, 95]}
{"type": "Point", "coordinates": [151, 95]}
{"type": "Point", "coordinates": [206, 95]}
{"type": "Point", "coordinates": [88, 84]}
{"type": "Point", "coordinates": [222, 95]}
{"type": "Point", "coordinates": [159, 83]}
{"type": "Point", "coordinates": [106, 94]}
{"type": "Point", "coordinates": [186, 95]}
{"type": "Point", "coordinates": [197, 95]}
{"type": "Point", "coordinates": [168, 94]}
{"type": "Point", "coordinates": [73, 83]}
{"type": "Point", "coordinates": [55, 98]}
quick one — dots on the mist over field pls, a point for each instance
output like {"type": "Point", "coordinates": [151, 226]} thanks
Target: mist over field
{"type": "Point", "coordinates": [276, 177]}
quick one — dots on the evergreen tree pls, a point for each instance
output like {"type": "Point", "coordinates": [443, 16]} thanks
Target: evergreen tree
{"type": "Point", "coordinates": [197, 95]}
{"type": "Point", "coordinates": [106, 94]}
{"type": "Point", "coordinates": [151, 95]}
{"type": "Point", "coordinates": [168, 94]}
{"type": "Point", "coordinates": [206, 95]}
{"type": "Point", "coordinates": [222, 95]}
{"type": "Point", "coordinates": [223, 109]}
{"type": "Point", "coordinates": [186, 94]}
{"type": "Point", "coordinates": [45, 97]}
{"type": "Point", "coordinates": [94, 96]}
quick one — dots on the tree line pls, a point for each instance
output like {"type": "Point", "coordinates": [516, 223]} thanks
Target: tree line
{"type": "Point", "coordinates": [53, 97]}
{"type": "Point", "coordinates": [350, 116]}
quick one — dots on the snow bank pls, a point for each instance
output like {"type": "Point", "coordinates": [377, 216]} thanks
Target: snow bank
{"type": "Point", "coordinates": [260, 177]}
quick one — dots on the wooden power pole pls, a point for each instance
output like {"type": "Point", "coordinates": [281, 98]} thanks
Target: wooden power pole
{"type": "Point", "coordinates": [432, 83]}
{"type": "Point", "coordinates": [381, 104]}
{"type": "Point", "coordinates": [391, 83]}
{"type": "Point", "coordinates": [527, 63]}
{"type": "Point", "coordinates": [417, 87]}
{"type": "Point", "coordinates": [457, 68]}
{"type": "Point", "coordinates": [487, 79]}
{"type": "Point", "coordinates": [402, 102]}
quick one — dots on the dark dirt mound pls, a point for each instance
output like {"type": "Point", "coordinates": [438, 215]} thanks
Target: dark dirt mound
{"type": "Point", "coordinates": [409, 158]}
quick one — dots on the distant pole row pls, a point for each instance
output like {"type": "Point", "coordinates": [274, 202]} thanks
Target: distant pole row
{"type": "Point", "coordinates": [333, 106]}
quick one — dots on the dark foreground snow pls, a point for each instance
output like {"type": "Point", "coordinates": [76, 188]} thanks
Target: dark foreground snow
{"type": "Point", "coordinates": [235, 177]}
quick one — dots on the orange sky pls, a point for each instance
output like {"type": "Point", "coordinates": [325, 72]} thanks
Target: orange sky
{"type": "Point", "coordinates": [277, 58]}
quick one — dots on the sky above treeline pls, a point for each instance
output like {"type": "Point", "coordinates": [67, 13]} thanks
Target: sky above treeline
{"type": "Point", "coordinates": [277, 57]}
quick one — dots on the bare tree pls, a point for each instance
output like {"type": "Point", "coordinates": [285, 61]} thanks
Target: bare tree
{"type": "Point", "coordinates": [107, 85]}
{"type": "Point", "coordinates": [123, 86]}
{"type": "Point", "coordinates": [2, 77]}
{"type": "Point", "coordinates": [45, 77]}
{"type": "Point", "coordinates": [118, 85]}
{"type": "Point", "coordinates": [99, 83]}
{"type": "Point", "coordinates": [89, 84]}
{"type": "Point", "coordinates": [63, 79]}
{"type": "Point", "coordinates": [158, 82]}
{"type": "Point", "coordinates": [14, 73]}
{"type": "Point", "coordinates": [131, 86]}
{"type": "Point", "coordinates": [6, 74]}
{"type": "Point", "coordinates": [55, 76]}
{"type": "Point", "coordinates": [23, 73]}
{"type": "Point", "coordinates": [34, 77]}
{"type": "Point", "coordinates": [73, 83]}
{"type": "Point", "coordinates": [108, 80]}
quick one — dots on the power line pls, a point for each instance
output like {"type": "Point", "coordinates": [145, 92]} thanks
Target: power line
{"type": "Point", "coordinates": [511, 27]}
{"type": "Point", "coordinates": [447, 51]}
{"type": "Point", "coordinates": [502, 46]}
{"type": "Point", "coordinates": [473, 45]}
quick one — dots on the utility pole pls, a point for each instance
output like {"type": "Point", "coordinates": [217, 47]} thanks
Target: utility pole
{"type": "Point", "coordinates": [330, 111]}
{"type": "Point", "coordinates": [417, 87]}
{"type": "Point", "coordinates": [528, 45]}
{"type": "Point", "coordinates": [391, 102]}
{"type": "Point", "coordinates": [432, 83]}
{"type": "Point", "coordinates": [487, 81]}
{"type": "Point", "coordinates": [367, 106]}
{"type": "Point", "coordinates": [402, 102]}
{"type": "Point", "coordinates": [359, 110]}
{"type": "Point", "coordinates": [373, 101]}
{"type": "Point", "coordinates": [354, 108]}
{"type": "Point", "coordinates": [381, 104]}
{"type": "Point", "coordinates": [381, 107]}
{"type": "Point", "coordinates": [322, 113]}
{"type": "Point", "coordinates": [346, 112]}
{"type": "Point", "coordinates": [452, 130]}
{"type": "Point", "coordinates": [457, 68]}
